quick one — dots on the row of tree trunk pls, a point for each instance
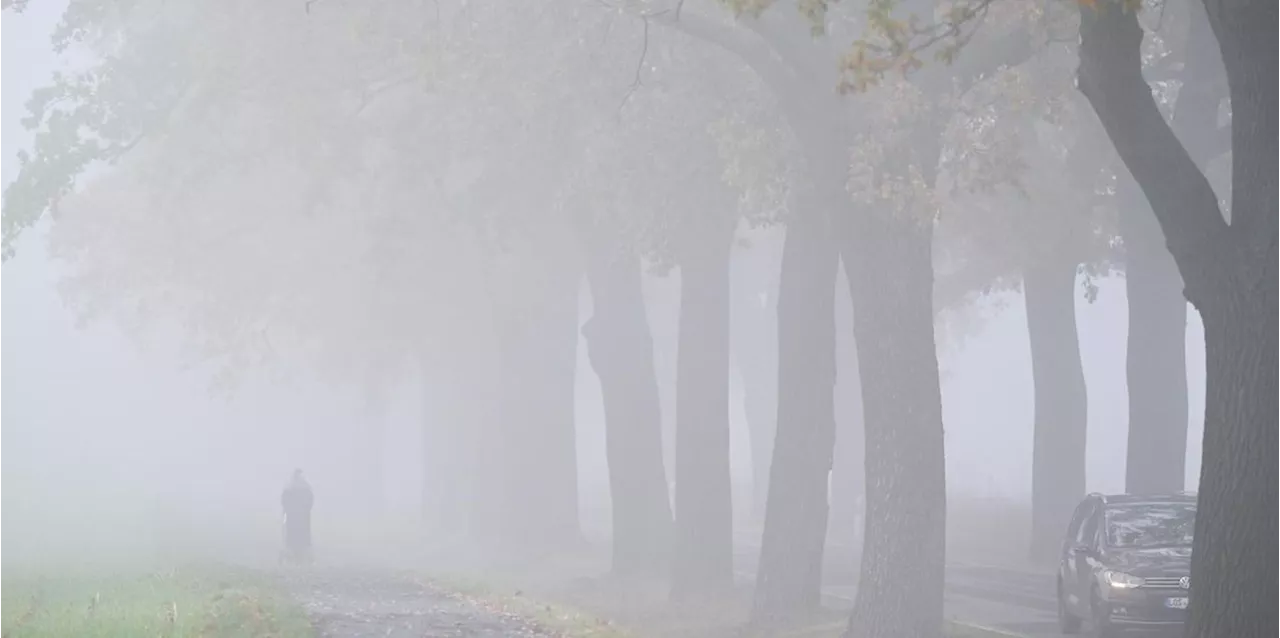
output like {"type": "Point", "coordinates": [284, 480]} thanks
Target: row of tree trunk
{"type": "Point", "coordinates": [524, 490]}
{"type": "Point", "coordinates": [1155, 370]}
{"type": "Point", "coordinates": [521, 485]}
{"type": "Point", "coordinates": [523, 479]}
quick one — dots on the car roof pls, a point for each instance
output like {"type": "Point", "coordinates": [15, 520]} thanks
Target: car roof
{"type": "Point", "coordinates": [1134, 499]}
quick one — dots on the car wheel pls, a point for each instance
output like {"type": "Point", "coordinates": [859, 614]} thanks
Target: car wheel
{"type": "Point", "coordinates": [1102, 627]}
{"type": "Point", "coordinates": [1067, 621]}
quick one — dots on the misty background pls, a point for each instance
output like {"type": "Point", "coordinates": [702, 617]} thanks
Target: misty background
{"type": "Point", "coordinates": [108, 443]}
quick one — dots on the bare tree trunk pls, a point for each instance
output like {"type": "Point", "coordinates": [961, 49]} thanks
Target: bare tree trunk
{"type": "Point", "coordinates": [1058, 452]}
{"type": "Point", "coordinates": [789, 581]}
{"type": "Point", "coordinates": [703, 557]}
{"type": "Point", "coordinates": [1229, 270]}
{"type": "Point", "coordinates": [1235, 554]}
{"type": "Point", "coordinates": [1157, 369]}
{"type": "Point", "coordinates": [1156, 362]}
{"type": "Point", "coordinates": [1234, 558]}
{"type": "Point", "coordinates": [621, 352]}
{"type": "Point", "coordinates": [889, 264]}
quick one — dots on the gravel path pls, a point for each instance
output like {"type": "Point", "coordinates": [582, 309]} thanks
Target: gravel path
{"type": "Point", "coordinates": [345, 604]}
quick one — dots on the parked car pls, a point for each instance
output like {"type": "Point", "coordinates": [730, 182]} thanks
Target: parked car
{"type": "Point", "coordinates": [1126, 563]}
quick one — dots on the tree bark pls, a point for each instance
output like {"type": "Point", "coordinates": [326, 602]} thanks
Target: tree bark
{"type": "Point", "coordinates": [703, 555]}
{"type": "Point", "coordinates": [1156, 363]}
{"type": "Point", "coordinates": [901, 583]}
{"type": "Point", "coordinates": [1157, 453]}
{"type": "Point", "coordinates": [1061, 403]}
{"type": "Point", "coordinates": [620, 348]}
{"type": "Point", "coordinates": [789, 580]}
{"type": "Point", "coordinates": [902, 587]}
{"type": "Point", "coordinates": [1234, 557]}
{"type": "Point", "coordinates": [902, 576]}
{"type": "Point", "coordinates": [1230, 277]}
{"type": "Point", "coordinates": [1158, 414]}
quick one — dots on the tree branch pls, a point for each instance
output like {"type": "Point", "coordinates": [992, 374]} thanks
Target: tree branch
{"type": "Point", "coordinates": [1110, 76]}
{"type": "Point", "coordinates": [644, 52]}
{"type": "Point", "coordinates": [759, 56]}
{"type": "Point", "coordinates": [1007, 52]}
{"type": "Point", "coordinates": [806, 105]}
{"type": "Point", "coordinates": [809, 59]}
{"type": "Point", "coordinates": [370, 94]}
{"type": "Point", "coordinates": [754, 54]}
{"type": "Point", "coordinates": [975, 63]}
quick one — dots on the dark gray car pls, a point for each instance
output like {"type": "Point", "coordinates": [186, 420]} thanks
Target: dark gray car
{"type": "Point", "coordinates": [1126, 563]}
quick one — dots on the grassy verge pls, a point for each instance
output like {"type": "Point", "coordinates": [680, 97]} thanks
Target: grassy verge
{"type": "Point", "coordinates": [964, 630]}
{"type": "Point", "coordinates": [204, 602]}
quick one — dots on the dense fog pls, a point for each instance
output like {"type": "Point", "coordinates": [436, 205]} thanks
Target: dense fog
{"type": "Point", "coordinates": [144, 430]}
{"type": "Point", "coordinates": [776, 303]}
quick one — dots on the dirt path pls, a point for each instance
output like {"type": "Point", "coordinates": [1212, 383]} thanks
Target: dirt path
{"type": "Point", "coordinates": [349, 604]}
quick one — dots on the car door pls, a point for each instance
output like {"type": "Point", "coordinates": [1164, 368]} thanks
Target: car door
{"type": "Point", "coordinates": [1086, 547]}
{"type": "Point", "coordinates": [1067, 559]}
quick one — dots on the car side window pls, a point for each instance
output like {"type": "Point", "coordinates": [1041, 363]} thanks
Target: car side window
{"type": "Point", "coordinates": [1100, 531]}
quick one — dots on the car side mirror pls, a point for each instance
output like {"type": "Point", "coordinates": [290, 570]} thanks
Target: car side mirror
{"type": "Point", "coordinates": [1084, 549]}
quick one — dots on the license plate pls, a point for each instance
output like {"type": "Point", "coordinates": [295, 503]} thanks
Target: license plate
{"type": "Point", "coordinates": [1176, 603]}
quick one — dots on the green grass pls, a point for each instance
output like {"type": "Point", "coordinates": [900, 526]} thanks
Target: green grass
{"type": "Point", "coordinates": [181, 603]}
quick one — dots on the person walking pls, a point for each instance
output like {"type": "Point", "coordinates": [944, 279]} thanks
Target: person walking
{"type": "Point", "coordinates": [296, 500]}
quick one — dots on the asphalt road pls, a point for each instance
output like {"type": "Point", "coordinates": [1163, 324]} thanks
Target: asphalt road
{"type": "Point", "coordinates": [1012, 601]}
{"type": "Point", "coordinates": [1019, 602]}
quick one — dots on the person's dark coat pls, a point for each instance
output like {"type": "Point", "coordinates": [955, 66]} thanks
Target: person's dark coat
{"type": "Point", "coordinates": [296, 501]}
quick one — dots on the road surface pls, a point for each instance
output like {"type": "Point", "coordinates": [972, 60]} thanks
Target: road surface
{"type": "Point", "coordinates": [354, 604]}
{"type": "Point", "coordinates": [1018, 601]}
